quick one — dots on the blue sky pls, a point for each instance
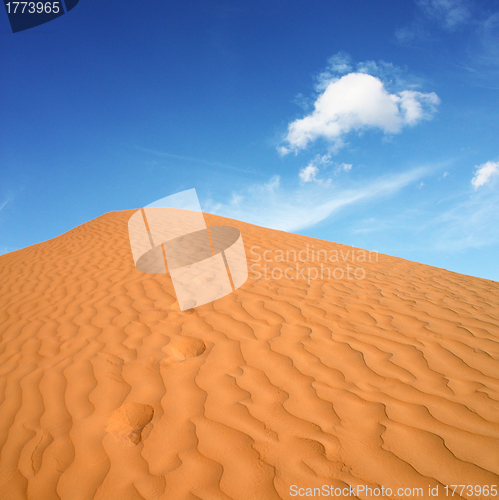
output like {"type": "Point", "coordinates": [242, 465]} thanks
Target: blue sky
{"type": "Point", "coordinates": [368, 123]}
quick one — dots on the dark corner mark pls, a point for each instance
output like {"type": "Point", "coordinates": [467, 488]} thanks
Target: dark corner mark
{"type": "Point", "coordinates": [27, 14]}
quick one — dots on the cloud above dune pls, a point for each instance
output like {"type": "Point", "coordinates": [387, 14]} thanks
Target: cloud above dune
{"type": "Point", "coordinates": [293, 208]}
{"type": "Point", "coordinates": [310, 173]}
{"type": "Point", "coordinates": [471, 222]}
{"type": "Point", "coordinates": [484, 173]}
{"type": "Point", "coordinates": [354, 102]}
{"type": "Point", "coordinates": [467, 219]}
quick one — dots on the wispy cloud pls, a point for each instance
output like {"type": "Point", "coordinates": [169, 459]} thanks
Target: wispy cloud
{"type": "Point", "coordinates": [4, 203]}
{"type": "Point", "coordinates": [467, 219]}
{"type": "Point", "coordinates": [471, 223]}
{"type": "Point", "coordinates": [298, 207]}
{"type": "Point", "coordinates": [479, 25]}
{"type": "Point", "coordinates": [189, 159]}
{"type": "Point", "coordinates": [354, 102]}
{"type": "Point", "coordinates": [450, 13]}
{"type": "Point", "coordinates": [338, 64]}
{"type": "Point", "coordinates": [484, 173]}
{"type": "Point", "coordinates": [412, 35]}
{"type": "Point", "coordinates": [311, 171]}
{"type": "Point", "coordinates": [487, 52]}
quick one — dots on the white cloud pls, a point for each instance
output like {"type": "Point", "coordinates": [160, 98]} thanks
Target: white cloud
{"type": "Point", "coordinates": [346, 166]}
{"type": "Point", "coordinates": [357, 101]}
{"type": "Point", "coordinates": [311, 171]}
{"type": "Point", "coordinates": [452, 13]}
{"type": "Point", "coordinates": [411, 106]}
{"type": "Point", "coordinates": [484, 173]}
{"type": "Point", "coordinates": [308, 173]}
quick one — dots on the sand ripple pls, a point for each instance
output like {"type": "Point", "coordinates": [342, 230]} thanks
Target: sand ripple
{"type": "Point", "coordinates": [108, 391]}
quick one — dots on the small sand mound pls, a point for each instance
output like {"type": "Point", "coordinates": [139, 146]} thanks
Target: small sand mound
{"type": "Point", "coordinates": [180, 351]}
{"type": "Point", "coordinates": [188, 349]}
{"type": "Point", "coordinates": [128, 420]}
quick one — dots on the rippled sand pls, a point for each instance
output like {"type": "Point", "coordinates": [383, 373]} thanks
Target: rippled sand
{"type": "Point", "coordinates": [108, 391]}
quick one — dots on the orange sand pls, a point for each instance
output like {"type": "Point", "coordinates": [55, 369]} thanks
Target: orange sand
{"type": "Point", "coordinates": [108, 391]}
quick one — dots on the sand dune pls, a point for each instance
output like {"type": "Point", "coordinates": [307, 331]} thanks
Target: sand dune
{"type": "Point", "coordinates": [388, 377]}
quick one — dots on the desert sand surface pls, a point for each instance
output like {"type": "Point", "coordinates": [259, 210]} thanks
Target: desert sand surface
{"type": "Point", "coordinates": [388, 378]}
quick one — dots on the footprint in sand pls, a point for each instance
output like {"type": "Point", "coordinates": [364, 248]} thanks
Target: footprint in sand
{"type": "Point", "coordinates": [180, 351]}
{"type": "Point", "coordinates": [127, 422]}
